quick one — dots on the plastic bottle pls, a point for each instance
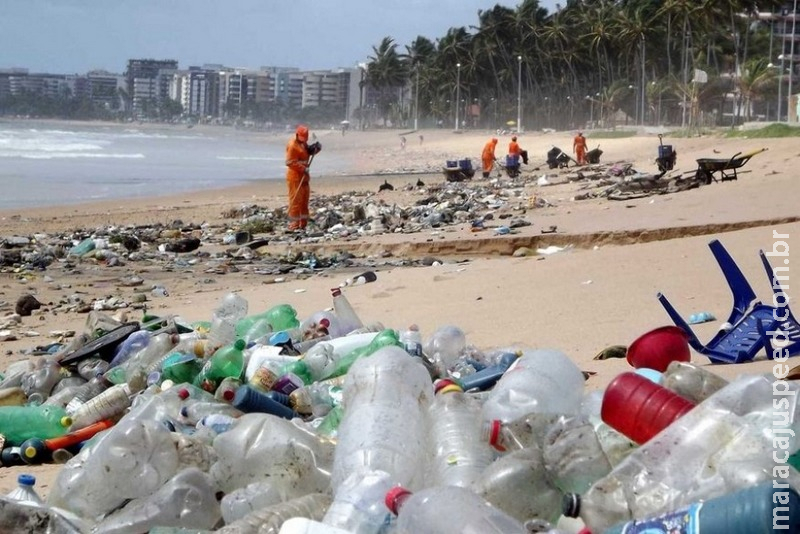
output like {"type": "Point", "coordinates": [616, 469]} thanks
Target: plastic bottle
{"type": "Point", "coordinates": [639, 408]}
{"type": "Point", "coordinates": [187, 500]}
{"type": "Point", "coordinates": [130, 346]}
{"type": "Point", "coordinates": [63, 397]}
{"type": "Point", "coordinates": [384, 428]}
{"type": "Point", "coordinates": [194, 411]}
{"type": "Point", "coordinates": [340, 366]}
{"type": "Point", "coordinates": [411, 340]}
{"type": "Point", "coordinates": [269, 520]}
{"type": "Point", "coordinates": [318, 398]}
{"type": "Point", "coordinates": [518, 484]}
{"type": "Point", "coordinates": [228, 361]}
{"type": "Point", "coordinates": [265, 447]}
{"type": "Point", "coordinates": [458, 453]}
{"type": "Point", "coordinates": [231, 308]}
{"type": "Point", "coordinates": [347, 319]}
{"type": "Point", "coordinates": [40, 382]}
{"type": "Point", "coordinates": [91, 367]}
{"type": "Point", "coordinates": [444, 347]}
{"type": "Point", "coordinates": [107, 404]}
{"type": "Point", "coordinates": [25, 492]}
{"type": "Point", "coordinates": [487, 377]}
{"type": "Point", "coordinates": [746, 511]}
{"type": "Point", "coordinates": [242, 501]}
{"type": "Point", "coordinates": [360, 279]}
{"type": "Point", "coordinates": [724, 444]}
{"type": "Point", "coordinates": [541, 381]}
{"type": "Point", "coordinates": [137, 366]}
{"type": "Point", "coordinates": [227, 389]}
{"type": "Point", "coordinates": [86, 392]}
{"type": "Point", "coordinates": [448, 509]}
{"type": "Point", "coordinates": [249, 400]}
{"type": "Point", "coordinates": [692, 382]}
{"type": "Point", "coordinates": [217, 422]}
{"type": "Point", "coordinates": [358, 506]}
{"type": "Point", "coordinates": [18, 423]}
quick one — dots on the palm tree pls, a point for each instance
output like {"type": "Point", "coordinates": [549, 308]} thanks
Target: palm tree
{"type": "Point", "coordinates": [386, 73]}
{"type": "Point", "coordinates": [756, 79]}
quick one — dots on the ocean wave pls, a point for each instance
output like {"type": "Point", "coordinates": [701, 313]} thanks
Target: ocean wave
{"type": "Point", "coordinates": [57, 155]}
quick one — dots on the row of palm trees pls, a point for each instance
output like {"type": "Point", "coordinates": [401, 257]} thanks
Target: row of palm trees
{"type": "Point", "coordinates": [589, 60]}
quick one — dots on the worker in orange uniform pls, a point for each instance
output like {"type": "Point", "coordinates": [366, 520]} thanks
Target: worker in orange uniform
{"type": "Point", "coordinates": [487, 157]}
{"type": "Point", "coordinates": [298, 158]}
{"type": "Point", "coordinates": [579, 148]}
{"type": "Point", "coordinates": [515, 150]}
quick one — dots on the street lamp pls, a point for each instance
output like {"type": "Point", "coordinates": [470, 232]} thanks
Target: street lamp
{"type": "Point", "coordinates": [635, 104]}
{"type": "Point", "coordinates": [416, 101]}
{"type": "Point", "coordinates": [519, 94]}
{"type": "Point", "coordinates": [591, 111]}
{"type": "Point", "coordinates": [458, 90]}
{"type": "Point", "coordinates": [780, 84]}
{"type": "Point", "coordinates": [791, 67]}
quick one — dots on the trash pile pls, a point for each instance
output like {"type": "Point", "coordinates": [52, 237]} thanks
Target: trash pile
{"type": "Point", "coordinates": [258, 421]}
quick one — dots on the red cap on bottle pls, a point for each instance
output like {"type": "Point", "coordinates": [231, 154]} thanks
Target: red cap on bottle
{"type": "Point", "coordinates": [228, 395]}
{"type": "Point", "coordinates": [494, 435]}
{"type": "Point", "coordinates": [394, 497]}
{"type": "Point", "coordinates": [183, 393]}
{"type": "Point", "coordinates": [445, 385]}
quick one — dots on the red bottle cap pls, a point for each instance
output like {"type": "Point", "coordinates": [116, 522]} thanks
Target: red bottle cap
{"type": "Point", "coordinates": [183, 393]}
{"type": "Point", "coordinates": [228, 395]}
{"type": "Point", "coordinates": [445, 385]}
{"type": "Point", "coordinates": [394, 497]}
{"type": "Point", "coordinates": [494, 435]}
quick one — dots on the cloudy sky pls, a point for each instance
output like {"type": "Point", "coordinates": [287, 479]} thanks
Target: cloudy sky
{"type": "Point", "coordinates": [75, 36]}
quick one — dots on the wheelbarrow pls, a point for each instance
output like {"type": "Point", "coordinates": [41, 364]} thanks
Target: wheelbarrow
{"type": "Point", "coordinates": [725, 168]}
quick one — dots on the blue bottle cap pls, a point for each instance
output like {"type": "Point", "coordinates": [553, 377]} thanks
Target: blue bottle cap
{"type": "Point", "coordinates": [26, 480]}
{"type": "Point", "coordinates": [279, 338]}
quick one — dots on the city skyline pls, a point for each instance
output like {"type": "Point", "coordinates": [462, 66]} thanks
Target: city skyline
{"type": "Point", "coordinates": [78, 36]}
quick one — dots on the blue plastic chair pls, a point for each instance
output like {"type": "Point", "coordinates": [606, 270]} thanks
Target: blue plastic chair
{"type": "Point", "coordinates": [751, 320]}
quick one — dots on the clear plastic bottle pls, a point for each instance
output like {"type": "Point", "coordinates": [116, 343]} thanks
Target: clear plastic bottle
{"type": "Point", "coordinates": [411, 338]}
{"type": "Point", "coordinates": [131, 345]}
{"type": "Point", "coordinates": [542, 381]}
{"type": "Point", "coordinates": [444, 347]}
{"type": "Point", "coordinates": [386, 397]}
{"type": "Point", "coordinates": [692, 382]}
{"type": "Point", "coordinates": [40, 382]}
{"type": "Point", "coordinates": [358, 506]}
{"type": "Point", "coordinates": [242, 501]}
{"type": "Point", "coordinates": [107, 404]}
{"type": "Point", "coordinates": [269, 520]}
{"type": "Point", "coordinates": [459, 454]}
{"type": "Point", "coordinates": [347, 319]}
{"type": "Point", "coordinates": [448, 509]}
{"type": "Point", "coordinates": [25, 491]}
{"type": "Point", "coordinates": [195, 410]}
{"type": "Point", "coordinates": [517, 474]}
{"type": "Point", "coordinates": [231, 308]}
{"type": "Point", "coordinates": [187, 500]}
{"type": "Point", "coordinates": [86, 392]}
{"type": "Point", "coordinates": [339, 365]}
{"type": "Point", "coordinates": [227, 389]}
{"type": "Point", "coordinates": [137, 366]}
{"type": "Point", "coordinates": [725, 443]}
{"type": "Point", "coordinates": [265, 447]}
{"type": "Point", "coordinates": [319, 398]}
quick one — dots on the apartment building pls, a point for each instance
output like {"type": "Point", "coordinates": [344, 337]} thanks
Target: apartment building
{"type": "Point", "coordinates": [148, 81]}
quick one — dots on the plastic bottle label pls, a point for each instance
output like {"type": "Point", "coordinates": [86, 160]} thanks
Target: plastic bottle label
{"type": "Point", "coordinates": [682, 521]}
{"type": "Point", "coordinates": [263, 379]}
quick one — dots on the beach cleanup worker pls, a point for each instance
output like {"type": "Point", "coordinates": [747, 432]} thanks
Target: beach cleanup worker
{"type": "Point", "coordinates": [579, 148]}
{"type": "Point", "coordinates": [298, 179]}
{"type": "Point", "coordinates": [515, 150]}
{"type": "Point", "coordinates": [487, 156]}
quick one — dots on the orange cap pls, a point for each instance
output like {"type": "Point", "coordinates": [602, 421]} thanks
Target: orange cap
{"type": "Point", "coordinates": [302, 133]}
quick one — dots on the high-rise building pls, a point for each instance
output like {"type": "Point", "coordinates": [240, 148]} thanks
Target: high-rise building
{"type": "Point", "coordinates": [148, 82]}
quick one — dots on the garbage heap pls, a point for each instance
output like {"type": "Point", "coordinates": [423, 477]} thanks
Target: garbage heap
{"type": "Point", "coordinates": [256, 421]}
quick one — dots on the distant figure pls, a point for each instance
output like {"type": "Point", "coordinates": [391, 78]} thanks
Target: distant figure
{"type": "Point", "coordinates": [515, 150]}
{"type": "Point", "coordinates": [403, 143]}
{"type": "Point", "coordinates": [298, 159]}
{"type": "Point", "coordinates": [487, 157]}
{"type": "Point", "coordinates": [420, 183]}
{"type": "Point", "coordinates": [385, 186]}
{"type": "Point", "coordinates": [579, 148]}
{"type": "Point", "coordinates": [421, 139]}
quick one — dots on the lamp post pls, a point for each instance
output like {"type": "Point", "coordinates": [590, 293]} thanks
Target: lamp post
{"type": "Point", "coordinates": [643, 81]}
{"type": "Point", "coordinates": [519, 94]}
{"type": "Point", "coordinates": [791, 66]}
{"type": "Point", "coordinates": [458, 90]}
{"type": "Point", "coordinates": [780, 84]}
{"type": "Point", "coordinates": [416, 101]}
{"type": "Point", "coordinates": [635, 104]}
{"type": "Point", "coordinates": [591, 111]}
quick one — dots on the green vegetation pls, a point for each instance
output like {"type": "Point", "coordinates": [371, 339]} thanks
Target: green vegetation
{"type": "Point", "coordinates": [587, 63]}
{"type": "Point", "coordinates": [773, 130]}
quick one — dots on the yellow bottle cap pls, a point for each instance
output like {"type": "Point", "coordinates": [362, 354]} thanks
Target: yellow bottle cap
{"type": "Point", "coordinates": [66, 421]}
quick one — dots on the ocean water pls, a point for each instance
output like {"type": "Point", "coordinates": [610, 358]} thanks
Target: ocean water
{"type": "Point", "coordinates": [50, 163]}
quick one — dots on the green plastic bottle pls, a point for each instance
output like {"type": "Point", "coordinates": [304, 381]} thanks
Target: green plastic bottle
{"type": "Point", "coordinates": [282, 317]}
{"type": "Point", "coordinates": [385, 338]}
{"type": "Point", "coordinates": [20, 423]}
{"type": "Point", "coordinates": [227, 361]}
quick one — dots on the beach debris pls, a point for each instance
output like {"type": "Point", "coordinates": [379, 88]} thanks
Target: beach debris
{"type": "Point", "coordinates": [614, 351]}
{"type": "Point", "coordinates": [385, 186]}
{"type": "Point", "coordinates": [26, 304]}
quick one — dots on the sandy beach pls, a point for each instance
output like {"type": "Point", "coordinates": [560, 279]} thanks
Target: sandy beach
{"type": "Point", "coordinates": [599, 291]}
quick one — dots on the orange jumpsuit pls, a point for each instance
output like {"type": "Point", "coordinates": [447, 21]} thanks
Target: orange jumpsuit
{"type": "Point", "coordinates": [297, 180]}
{"type": "Point", "coordinates": [488, 157]}
{"type": "Point", "coordinates": [579, 147]}
{"type": "Point", "coordinates": [514, 149]}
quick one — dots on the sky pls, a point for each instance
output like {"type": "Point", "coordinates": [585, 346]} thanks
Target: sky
{"type": "Point", "coordinates": [76, 36]}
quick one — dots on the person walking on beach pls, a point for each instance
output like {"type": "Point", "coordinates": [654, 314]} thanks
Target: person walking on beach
{"type": "Point", "coordinates": [515, 150]}
{"type": "Point", "coordinates": [298, 159]}
{"type": "Point", "coordinates": [579, 148]}
{"type": "Point", "coordinates": [487, 156]}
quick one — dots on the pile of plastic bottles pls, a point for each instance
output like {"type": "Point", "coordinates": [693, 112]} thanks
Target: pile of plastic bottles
{"type": "Point", "coordinates": [263, 423]}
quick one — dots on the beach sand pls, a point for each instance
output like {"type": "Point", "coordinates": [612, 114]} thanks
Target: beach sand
{"type": "Point", "coordinates": [599, 291]}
